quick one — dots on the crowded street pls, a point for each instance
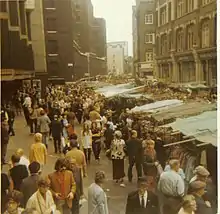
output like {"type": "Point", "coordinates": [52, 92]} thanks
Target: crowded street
{"type": "Point", "coordinates": [117, 197]}
{"type": "Point", "coordinates": [109, 107]}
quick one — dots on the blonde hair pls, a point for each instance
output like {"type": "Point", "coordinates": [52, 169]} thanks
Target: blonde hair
{"type": "Point", "coordinates": [187, 201]}
{"type": "Point", "coordinates": [38, 137]}
{"type": "Point", "coordinates": [19, 152]}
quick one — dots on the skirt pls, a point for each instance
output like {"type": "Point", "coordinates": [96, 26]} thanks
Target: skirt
{"type": "Point", "coordinates": [118, 169]}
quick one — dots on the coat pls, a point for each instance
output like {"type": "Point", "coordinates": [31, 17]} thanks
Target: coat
{"type": "Point", "coordinates": [29, 186]}
{"type": "Point", "coordinates": [97, 200]}
{"type": "Point", "coordinates": [56, 128]}
{"type": "Point", "coordinates": [43, 123]}
{"type": "Point", "coordinates": [17, 174]}
{"type": "Point", "coordinates": [37, 202]}
{"type": "Point", "coordinates": [69, 185]}
{"type": "Point", "coordinates": [135, 149]}
{"type": "Point", "coordinates": [133, 204]}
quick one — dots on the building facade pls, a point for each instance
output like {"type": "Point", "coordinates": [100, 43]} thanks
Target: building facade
{"type": "Point", "coordinates": [38, 42]}
{"type": "Point", "coordinates": [89, 41]}
{"type": "Point", "coordinates": [144, 35]}
{"type": "Point", "coordinates": [186, 35]}
{"type": "Point", "coordinates": [116, 54]}
{"type": "Point", "coordinates": [58, 30]}
{"type": "Point", "coordinates": [134, 41]}
{"type": "Point", "coordinates": [17, 61]}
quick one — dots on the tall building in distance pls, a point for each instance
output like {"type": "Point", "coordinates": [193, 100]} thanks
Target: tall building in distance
{"type": "Point", "coordinates": [134, 40]}
{"type": "Point", "coordinates": [17, 61]}
{"type": "Point", "coordinates": [186, 32]}
{"type": "Point", "coordinates": [144, 37]}
{"type": "Point", "coordinates": [75, 40]}
{"type": "Point", "coordinates": [116, 54]}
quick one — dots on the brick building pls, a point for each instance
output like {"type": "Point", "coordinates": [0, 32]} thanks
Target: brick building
{"type": "Point", "coordinates": [89, 41]}
{"type": "Point", "coordinates": [144, 35]}
{"type": "Point", "coordinates": [186, 41]}
{"type": "Point", "coordinates": [17, 62]}
{"type": "Point", "coordinates": [58, 30]}
{"type": "Point", "coordinates": [38, 43]}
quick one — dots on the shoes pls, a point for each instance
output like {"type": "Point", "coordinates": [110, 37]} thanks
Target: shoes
{"type": "Point", "coordinates": [122, 185]}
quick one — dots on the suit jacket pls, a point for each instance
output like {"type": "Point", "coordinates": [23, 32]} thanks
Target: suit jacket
{"type": "Point", "coordinates": [69, 185]}
{"type": "Point", "coordinates": [57, 128]}
{"type": "Point", "coordinates": [135, 149]}
{"type": "Point", "coordinates": [134, 207]}
{"type": "Point", "coordinates": [17, 174]}
{"type": "Point", "coordinates": [29, 186]}
{"type": "Point", "coordinates": [201, 206]}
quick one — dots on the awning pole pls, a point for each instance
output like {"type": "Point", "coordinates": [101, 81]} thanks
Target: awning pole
{"type": "Point", "coordinates": [174, 133]}
{"type": "Point", "coordinates": [202, 144]}
{"type": "Point", "coordinates": [199, 132]}
{"type": "Point", "coordinates": [179, 142]}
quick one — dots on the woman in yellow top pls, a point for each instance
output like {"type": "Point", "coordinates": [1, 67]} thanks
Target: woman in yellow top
{"type": "Point", "coordinates": [38, 151]}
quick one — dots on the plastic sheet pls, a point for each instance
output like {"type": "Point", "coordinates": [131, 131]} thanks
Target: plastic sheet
{"type": "Point", "coordinates": [203, 127]}
{"type": "Point", "coordinates": [159, 105]}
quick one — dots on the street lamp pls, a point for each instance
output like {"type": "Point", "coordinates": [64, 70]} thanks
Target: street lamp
{"type": "Point", "coordinates": [70, 65]}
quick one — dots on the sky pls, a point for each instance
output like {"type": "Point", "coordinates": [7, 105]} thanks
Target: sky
{"type": "Point", "coordinates": [118, 16]}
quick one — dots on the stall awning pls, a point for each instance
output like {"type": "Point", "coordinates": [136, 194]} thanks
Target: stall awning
{"type": "Point", "coordinates": [157, 106]}
{"type": "Point", "coordinates": [186, 110]}
{"type": "Point", "coordinates": [202, 127]}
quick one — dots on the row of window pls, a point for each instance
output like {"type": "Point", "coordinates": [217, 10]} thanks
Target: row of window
{"type": "Point", "coordinates": [185, 42]}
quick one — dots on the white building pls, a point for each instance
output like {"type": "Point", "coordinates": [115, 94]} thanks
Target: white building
{"type": "Point", "coordinates": [116, 53]}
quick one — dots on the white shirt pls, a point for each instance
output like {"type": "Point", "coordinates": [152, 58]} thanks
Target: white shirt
{"type": "Point", "coordinates": [27, 102]}
{"type": "Point", "coordinates": [24, 161]}
{"type": "Point", "coordinates": [171, 184]}
{"type": "Point", "coordinates": [145, 199]}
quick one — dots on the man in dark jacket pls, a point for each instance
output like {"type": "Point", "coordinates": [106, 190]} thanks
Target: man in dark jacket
{"type": "Point", "coordinates": [18, 172]}
{"type": "Point", "coordinates": [56, 127]}
{"type": "Point", "coordinates": [4, 140]}
{"type": "Point", "coordinates": [109, 135]}
{"type": "Point", "coordinates": [142, 201]}
{"type": "Point", "coordinates": [135, 154]}
{"type": "Point", "coordinates": [11, 119]}
{"type": "Point", "coordinates": [30, 184]}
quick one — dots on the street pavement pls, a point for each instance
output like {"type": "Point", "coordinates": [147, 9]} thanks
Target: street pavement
{"type": "Point", "coordinates": [117, 195]}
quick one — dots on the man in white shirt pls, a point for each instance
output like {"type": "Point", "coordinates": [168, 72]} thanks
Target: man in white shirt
{"type": "Point", "coordinates": [27, 101]}
{"type": "Point", "coordinates": [170, 189]}
{"type": "Point", "coordinates": [23, 159]}
{"type": "Point", "coordinates": [142, 201]}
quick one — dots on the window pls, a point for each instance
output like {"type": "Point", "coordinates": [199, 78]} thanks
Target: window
{"type": "Point", "coordinates": [190, 37]}
{"type": "Point", "coordinates": [180, 8]}
{"type": "Point", "coordinates": [149, 19]}
{"type": "Point", "coordinates": [149, 38]}
{"type": "Point", "coordinates": [51, 24]}
{"type": "Point", "coordinates": [149, 56]}
{"type": "Point", "coordinates": [190, 5]}
{"type": "Point", "coordinates": [49, 4]}
{"type": "Point", "coordinates": [54, 68]}
{"type": "Point", "coordinates": [163, 16]}
{"type": "Point", "coordinates": [179, 42]}
{"type": "Point", "coordinates": [52, 47]}
{"type": "Point", "coordinates": [164, 44]}
{"type": "Point", "coordinates": [204, 2]}
{"type": "Point", "coordinates": [205, 35]}
{"type": "Point", "coordinates": [78, 18]}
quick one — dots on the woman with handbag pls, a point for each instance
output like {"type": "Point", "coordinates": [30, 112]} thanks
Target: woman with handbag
{"type": "Point", "coordinates": [150, 164]}
{"type": "Point", "coordinates": [117, 156]}
{"type": "Point", "coordinates": [96, 141]}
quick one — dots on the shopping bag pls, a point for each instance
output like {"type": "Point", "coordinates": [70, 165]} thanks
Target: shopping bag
{"type": "Point", "coordinates": [63, 142]}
